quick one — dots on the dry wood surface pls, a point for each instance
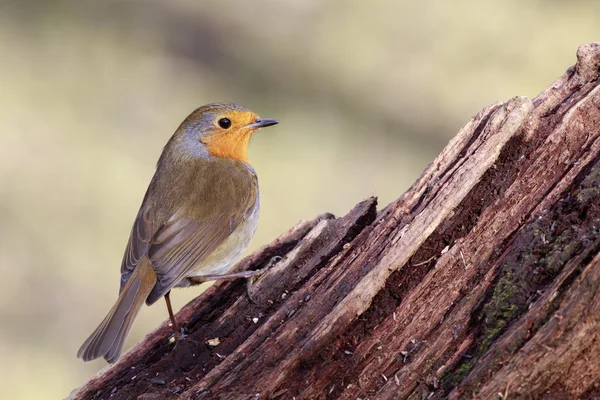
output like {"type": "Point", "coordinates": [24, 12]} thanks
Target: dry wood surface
{"type": "Point", "coordinates": [480, 281]}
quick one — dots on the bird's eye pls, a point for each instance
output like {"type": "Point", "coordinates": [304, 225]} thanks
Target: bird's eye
{"type": "Point", "coordinates": [224, 123]}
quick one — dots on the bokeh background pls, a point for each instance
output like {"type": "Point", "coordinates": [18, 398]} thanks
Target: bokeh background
{"type": "Point", "coordinates": [367, 94]}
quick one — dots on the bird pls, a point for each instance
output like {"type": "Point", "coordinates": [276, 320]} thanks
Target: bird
{"type": "Point", "coordinates": [197, 217]}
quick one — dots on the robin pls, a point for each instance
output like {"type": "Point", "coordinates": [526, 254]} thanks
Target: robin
{"type": "Point", "coordinates": [198, 215]}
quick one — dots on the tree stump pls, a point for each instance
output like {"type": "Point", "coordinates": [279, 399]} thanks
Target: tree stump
{"type": "Point", "coordinates": [481, 281]}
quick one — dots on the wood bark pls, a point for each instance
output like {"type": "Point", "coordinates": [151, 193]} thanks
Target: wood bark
{"type": "Point", "coordinates": [480, 281]}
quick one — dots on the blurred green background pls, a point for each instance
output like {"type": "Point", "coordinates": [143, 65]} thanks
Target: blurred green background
{"type": "Point", "coordinates": [367, 94]}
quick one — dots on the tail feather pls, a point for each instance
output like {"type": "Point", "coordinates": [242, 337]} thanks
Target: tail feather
{"type": "Point", "coordinates": [108, 338]}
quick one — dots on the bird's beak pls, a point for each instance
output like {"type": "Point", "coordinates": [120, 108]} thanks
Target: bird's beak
{"type": "Point", "coordinates": [262, 123]}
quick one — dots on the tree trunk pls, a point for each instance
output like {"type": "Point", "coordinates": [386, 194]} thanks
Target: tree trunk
{"type": "Point", "coordinates": [482, 280]}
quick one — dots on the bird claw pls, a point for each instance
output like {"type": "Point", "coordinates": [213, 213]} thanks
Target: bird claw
{"type": "Point", "coordinates": [259, 272]}
{"type": "Point", "coordinates": [177, 335]}
{"type": "Point", "coordinates": [181, 334]}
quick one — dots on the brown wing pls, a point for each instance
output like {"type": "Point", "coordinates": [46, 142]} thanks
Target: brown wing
{"type": "Point", "coordinates": [176, 246]}
{"type": "Point", "coordinates": [139, 242]}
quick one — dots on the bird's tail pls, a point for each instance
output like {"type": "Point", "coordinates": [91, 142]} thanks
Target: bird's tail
{"type": "Point", "coordinates": [108, 338]}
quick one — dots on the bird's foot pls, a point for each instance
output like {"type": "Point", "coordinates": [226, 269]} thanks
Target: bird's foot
{"type": "Point", "coordinates": [177, 335]}
{"type": "Point", "coordinates": [257, 274]}
{"type": "Point", "coordinates": [181, 333]}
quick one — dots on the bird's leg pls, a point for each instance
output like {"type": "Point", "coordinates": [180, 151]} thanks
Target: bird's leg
{"type": "Point", "coordinates": [236, 275]}
{"type": "Point", "coordinates": [251, 275]}
{"type": "Point", "coordinates": [174, 325]}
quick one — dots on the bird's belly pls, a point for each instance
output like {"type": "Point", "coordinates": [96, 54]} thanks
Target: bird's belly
{"type": "Point", "coordinates": [223, 258]}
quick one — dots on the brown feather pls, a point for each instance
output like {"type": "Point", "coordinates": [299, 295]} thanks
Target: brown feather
{"type": "Point", "coordinates": [108, 339]}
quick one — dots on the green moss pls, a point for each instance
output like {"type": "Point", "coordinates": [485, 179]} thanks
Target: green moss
{"type": "Point", "coordinates": [464, 369]}
{"type": "Point", "coordinates": [499, 311]}
{"type": "Point", "coordinates": [451, 379]}
{"type": "Point", "coordinates": [490, 335]}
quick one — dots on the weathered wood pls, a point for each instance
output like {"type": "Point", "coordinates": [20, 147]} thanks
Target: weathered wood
{"type": "Point", "coordinates": [483, 278]}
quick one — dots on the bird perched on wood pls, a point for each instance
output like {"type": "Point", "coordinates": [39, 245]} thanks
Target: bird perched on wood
{"type": "Point", "coordinates": [198, 215]}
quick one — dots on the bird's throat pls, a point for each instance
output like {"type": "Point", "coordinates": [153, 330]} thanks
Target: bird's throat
{"type": "Point", "coordinates": [234, 146]}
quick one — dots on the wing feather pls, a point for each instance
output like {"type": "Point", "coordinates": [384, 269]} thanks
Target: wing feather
{"type": "Point", "coordinates": [174, 259]}
{"type": "Point", "coordinates": [138, 244]}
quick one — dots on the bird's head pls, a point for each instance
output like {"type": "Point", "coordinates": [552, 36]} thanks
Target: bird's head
{"type": "Point", "coordinates": [220, 130]}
